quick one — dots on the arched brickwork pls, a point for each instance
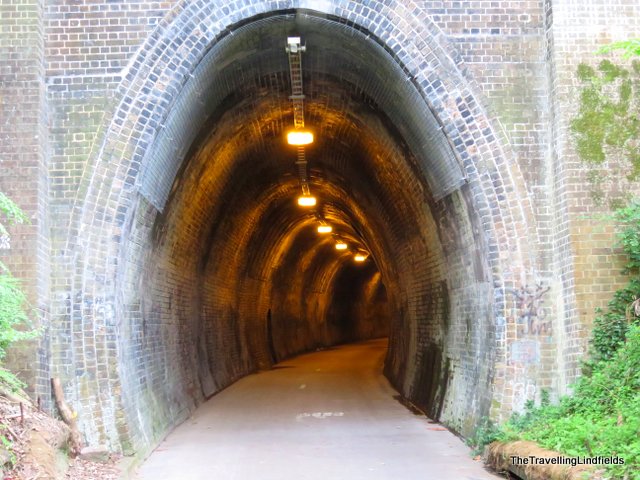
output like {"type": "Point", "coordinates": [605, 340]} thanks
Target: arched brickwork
{"type": "Point", "coordinates": [480, 230]}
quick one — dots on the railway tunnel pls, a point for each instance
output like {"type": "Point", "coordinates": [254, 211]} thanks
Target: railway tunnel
{"type": "Point", "coordinates": [201, 267]}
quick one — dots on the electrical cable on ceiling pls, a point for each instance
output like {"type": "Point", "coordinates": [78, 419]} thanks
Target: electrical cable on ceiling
{"type": "Point", "coordinates": [294, 50]}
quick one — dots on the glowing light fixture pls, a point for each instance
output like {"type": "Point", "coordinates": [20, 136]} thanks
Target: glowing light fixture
{"type": "Point", "coordinates": [341, 246]}
{"type": "Point", "coordinates": [359, 257]}
{"type": "Point", "coordinates": [324, 229]}
{"type": "Point", "coordinates": [299, 137]}
{"type": "Point", "coordinates": [306, 201]}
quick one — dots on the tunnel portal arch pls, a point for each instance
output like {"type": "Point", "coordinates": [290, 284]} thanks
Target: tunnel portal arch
{"type": "Point", "coordinates": [448, 340]}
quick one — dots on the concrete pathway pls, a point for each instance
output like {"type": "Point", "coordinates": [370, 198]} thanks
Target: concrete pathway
{"type": "Point", "coordinates": [329, 415]}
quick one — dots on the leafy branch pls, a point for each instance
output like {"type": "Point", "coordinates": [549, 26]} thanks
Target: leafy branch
{"type": "Point", "coordinates": [630, 47]}
{"type": "Point", "coordinates": [14, 319]}
{"type": "Point", "coordinates": [11, 212]}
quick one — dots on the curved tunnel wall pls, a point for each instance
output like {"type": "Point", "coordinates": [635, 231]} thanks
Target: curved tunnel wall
{"type": "Point", "coordinates": [219, 248]}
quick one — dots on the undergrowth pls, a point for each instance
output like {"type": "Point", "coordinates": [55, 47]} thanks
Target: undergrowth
{"type": "Point", "coordinates": [14, 320]}
{"type": "Point", "coordinates": [602, 417]}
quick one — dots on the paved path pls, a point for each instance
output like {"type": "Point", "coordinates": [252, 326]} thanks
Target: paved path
{"type": "Point", "coordinates": [323, 416]}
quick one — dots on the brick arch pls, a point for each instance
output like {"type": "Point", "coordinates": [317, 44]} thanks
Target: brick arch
{"type": "Point", "coordinates": [106, 205]}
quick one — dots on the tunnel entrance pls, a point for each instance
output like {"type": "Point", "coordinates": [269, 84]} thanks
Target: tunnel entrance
{"type": "Point", "coordinates": [213, 271]}
{"type": "Point", "coordinates": [231, 234]}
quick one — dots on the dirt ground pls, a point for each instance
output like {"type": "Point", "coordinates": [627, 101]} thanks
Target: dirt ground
{"type": "Point", "coordinates": [34, 445]}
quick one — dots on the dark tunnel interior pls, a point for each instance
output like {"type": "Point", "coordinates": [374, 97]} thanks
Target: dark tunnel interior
{"type": "Point", "coordinates": [236, 277]}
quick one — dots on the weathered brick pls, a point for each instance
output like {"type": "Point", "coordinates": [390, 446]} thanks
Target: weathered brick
{"type": "Point", "coordinates": [154, 276]}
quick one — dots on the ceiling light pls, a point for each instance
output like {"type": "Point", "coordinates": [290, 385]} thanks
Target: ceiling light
{"type": "Point", "coordinates": [306, 201]}
{"type": "Point", "coordinates": [293, 45]}
{"type": "Point", "coordinates": [299, 137]}
{"type": "Point", "coordinates": [359, 257]}
{"type": "Point", "coordinates": [341, 246]}
{"type": "Point", "coordinates": [324, 229]}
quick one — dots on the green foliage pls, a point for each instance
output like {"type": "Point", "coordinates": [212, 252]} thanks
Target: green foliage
{"type": "Point", "coordinates": [629, 218]}
{"type": "Point", "coordinates": [8, 445]}
{"type": "Point", "coordinates": [9, 380]}
{"type": "Point", "coordinates": [12, 313]}
{"type": "Point", "coordinates": [485, 433]}
{"type": "Point", "coordinates": [14, 321]}
{"type": "Point", "coordinates": [610, 327]}
{"type": "Point", "coordinates": [602, 418]}
{"type": "Point", "coordinates": [11, 213]}
{"type": "Point", "coordinates": [630, 47]}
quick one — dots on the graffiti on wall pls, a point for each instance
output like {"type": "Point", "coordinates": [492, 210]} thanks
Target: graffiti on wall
{"type": "Point", "coordinates": [522, 392]}
{"type": "Point", "coordinates": [525, 352]}
{"type": "Point", "coordinates": [531, 315]}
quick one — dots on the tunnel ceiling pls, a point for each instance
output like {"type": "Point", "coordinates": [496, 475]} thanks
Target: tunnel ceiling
{"type": "Point", "coordinates": [346, 76]}
{"type": "Point", "coordinates": [222, 151]}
